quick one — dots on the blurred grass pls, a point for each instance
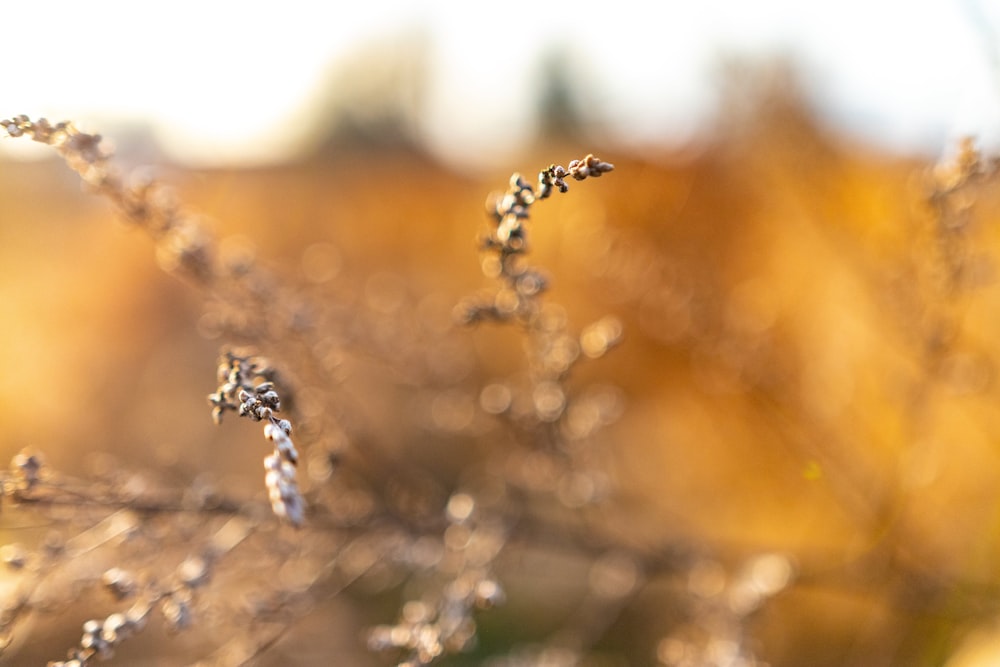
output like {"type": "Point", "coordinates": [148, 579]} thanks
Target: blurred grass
{"type": "Point", "coordinates": [778, 292]}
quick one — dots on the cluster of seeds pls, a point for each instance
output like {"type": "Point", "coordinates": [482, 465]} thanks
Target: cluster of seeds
{"type": "Point", "coordinates": [507, 241]}
{"type": "Point", "coordinates": [437, 625]}
{"type": "Point", "coordinates": [554, 175]}
{"type": "Point", "coordinates": [102, 636]}
{"type": "Point", "coordinates": [282, 488]}
{"type": "Point", "coordinates": [247, 388]}
{"type": "Point", "coordinates": [175, 597]}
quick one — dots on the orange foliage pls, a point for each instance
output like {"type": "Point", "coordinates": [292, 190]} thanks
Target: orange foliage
{"type": "Point", "coordinates": [799, 373]}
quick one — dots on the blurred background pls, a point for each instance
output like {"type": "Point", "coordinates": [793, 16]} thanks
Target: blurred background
{"type": "Point", "coordinates": [252, 83]}
{"type": "Point", "coordinates": [809, 364]}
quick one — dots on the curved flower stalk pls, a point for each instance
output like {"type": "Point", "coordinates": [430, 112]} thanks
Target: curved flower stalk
{"type": "Point", "coordinates": [241, 392]}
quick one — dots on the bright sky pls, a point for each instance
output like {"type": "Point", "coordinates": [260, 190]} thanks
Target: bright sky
{"type": "Point", "coordinates": [224, 81]}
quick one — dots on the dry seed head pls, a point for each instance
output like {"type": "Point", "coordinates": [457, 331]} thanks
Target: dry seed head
{"type": "Point", "coordinates": [283, 444]}
{"type": "Point", "coordinates": [283, 491]}
{"type": "Point", "coordinates": [115, 628]}
{"type": "Point", "coordinates": [176, 610]}
{"type": "Point", "coordinates": [121, 583]}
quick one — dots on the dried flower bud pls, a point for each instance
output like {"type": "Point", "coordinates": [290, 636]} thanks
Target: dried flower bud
{"type": "Point", "coordinates": [551, 177]}
{"type": "Point", "coordinates": [91, 628]}
{"type": "Point", "coordinates": [94, 641]}
{"type": "Point", "coordinates": [193, 572]}
{"type": "Point", "coordinates": [121, 583]}
{"type": "Point", "coordinates": [283, 444]}
{"type": "Point", "coordinates": [589, 166]}
{"type": "Point", "coordinates": [11, 128]}
{"type": "Point", "coordinates": [283, 491]}
{"type": "Point", "coordinates": [115, 628]}
{"type": "Point", "coordinates": [177, 611]}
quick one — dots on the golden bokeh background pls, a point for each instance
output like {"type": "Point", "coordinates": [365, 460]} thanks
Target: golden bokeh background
{"type": "Point", "coordinates": [801, 372]}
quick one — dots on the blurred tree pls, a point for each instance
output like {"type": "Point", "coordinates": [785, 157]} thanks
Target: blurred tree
{"type": "Point", "coordinates": [372, 98]}
{"type": "Point", "coordinates": [559, 95]}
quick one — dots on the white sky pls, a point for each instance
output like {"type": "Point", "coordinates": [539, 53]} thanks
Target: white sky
{"type": "Point", "coordinates": [223, 81]}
